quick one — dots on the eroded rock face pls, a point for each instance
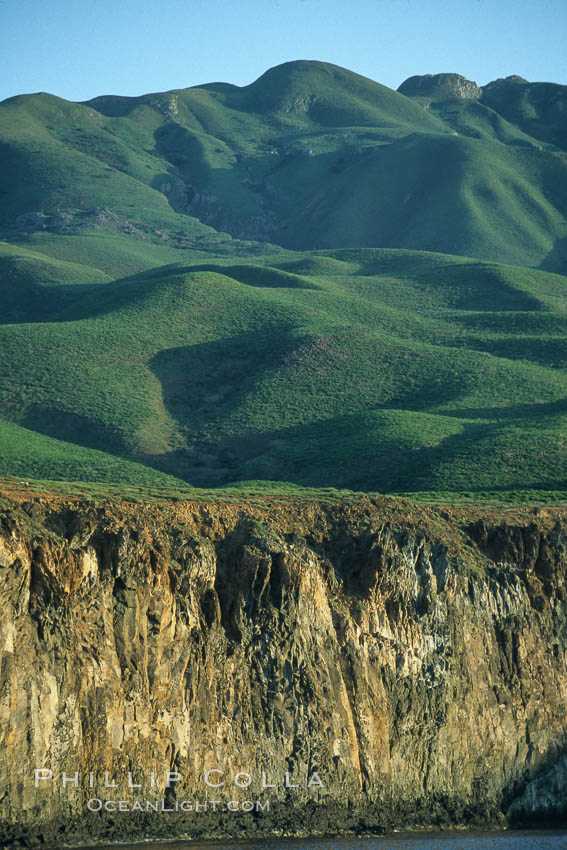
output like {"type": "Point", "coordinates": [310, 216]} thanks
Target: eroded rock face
{"type": "Point", "coordinates": [440, 87]}
{"type": "Point", "coordinates": [411, 659]}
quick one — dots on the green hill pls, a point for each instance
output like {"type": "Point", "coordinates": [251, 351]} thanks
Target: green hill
{"type": "Point", "coordinates": [311, 279]}
{"type": "Point", "coordinates": [308, 156]}
{"type": "Point", "coordinates": [539, 109]}
{"type": "Point", "coordinates": [384, 370]}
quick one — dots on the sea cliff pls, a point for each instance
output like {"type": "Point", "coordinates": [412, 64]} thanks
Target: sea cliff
{"type": "Point", "coordinates": [376, 663]}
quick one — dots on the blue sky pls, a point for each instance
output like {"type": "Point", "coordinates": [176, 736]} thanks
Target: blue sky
{"type": "Point", "coordinates": [81, 48]}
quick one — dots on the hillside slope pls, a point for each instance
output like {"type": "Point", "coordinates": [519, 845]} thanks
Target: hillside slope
{"type": "Point", "coordinates": [377, 370]}
{"type": "Point", "coordinates": [308, 156]}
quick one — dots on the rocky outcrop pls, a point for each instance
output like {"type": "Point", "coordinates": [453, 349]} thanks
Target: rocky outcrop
{"type": "Point", "coordinates": [440, 87]}
{"type": "Point", "coordinates": [69, 221]}
{"type": "Point", "coordinates": [206, 206]}
{"type": "Point", "coordinates": [377, 664]}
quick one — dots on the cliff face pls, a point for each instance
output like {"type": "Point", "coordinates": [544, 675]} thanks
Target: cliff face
{"type": "Point", "coordinates": [402, 665]}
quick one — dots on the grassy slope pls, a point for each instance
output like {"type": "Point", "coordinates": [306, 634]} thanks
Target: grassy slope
{"type": "Point", "coordinates": [364, 369]}
{"type": "Point", "coordinates": [310, 155]}
{"type": "Point", "coordinates": [539, 109]}
{"type": "Point", "coordinates": [26, 453]}
{"type": "Point", "coordinates": [467, 196]}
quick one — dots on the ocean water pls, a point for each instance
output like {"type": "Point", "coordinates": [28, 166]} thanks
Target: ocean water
{"type": "Point", "coordinates": [530, 840]}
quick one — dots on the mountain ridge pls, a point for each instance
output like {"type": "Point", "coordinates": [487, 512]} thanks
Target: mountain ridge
{"type": "Point", "coordinates": [291, 66]}
{"type": "Point", "coordinates": [269, 161]}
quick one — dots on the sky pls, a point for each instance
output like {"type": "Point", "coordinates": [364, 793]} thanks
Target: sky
{"type": "Point", "coordinates": [78, 49]}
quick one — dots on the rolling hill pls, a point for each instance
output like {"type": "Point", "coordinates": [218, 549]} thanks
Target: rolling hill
{"type": "Point", "coordinates": [308, 156]}
{"type": "Point", "coordinates": [311, 279]}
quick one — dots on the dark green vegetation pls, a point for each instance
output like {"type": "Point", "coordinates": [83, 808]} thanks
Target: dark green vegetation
{"type": "Point", "coordinates": [312, 279]}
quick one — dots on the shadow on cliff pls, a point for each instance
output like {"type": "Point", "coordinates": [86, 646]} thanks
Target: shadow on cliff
{"type": "Point", "coordinates": [539, 799]}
